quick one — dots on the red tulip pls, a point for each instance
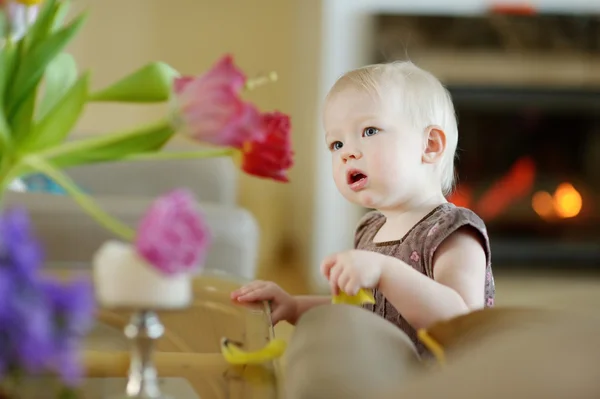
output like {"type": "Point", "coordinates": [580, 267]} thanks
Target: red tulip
{"type": "Point", "coordinates": [271, 155]}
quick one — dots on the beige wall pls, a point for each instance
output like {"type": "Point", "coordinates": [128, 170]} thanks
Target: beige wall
{"type": "Point", "coordinates": [190, 35]}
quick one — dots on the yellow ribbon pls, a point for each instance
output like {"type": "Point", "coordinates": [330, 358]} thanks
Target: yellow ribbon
{"type": "Point", "coordinates": [434, 347]}
{"type": "Point", "coordinates": [359, 299]}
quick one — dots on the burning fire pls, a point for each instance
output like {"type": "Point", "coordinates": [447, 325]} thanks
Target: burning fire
{"type": "Point", "coordinates": [565, 203]}
{"type": "Point", "coordinates": [514, 185]}
{"type": "Point", "coordinates": [517, 183]}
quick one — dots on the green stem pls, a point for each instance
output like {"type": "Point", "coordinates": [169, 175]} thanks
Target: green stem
{"type": "Point", "coordinates": [166, 155]}
{"type": "Point", "coordinates": [8, 173]}
{"type": "Point", "coordinates": [86, 202]}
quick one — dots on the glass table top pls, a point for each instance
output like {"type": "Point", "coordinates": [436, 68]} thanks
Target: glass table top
{"type": "Point", "coordinates": [190, 347]}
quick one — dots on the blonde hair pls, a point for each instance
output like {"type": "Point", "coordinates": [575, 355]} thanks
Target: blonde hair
{"type": "Point", "coordinates": [430, 102]}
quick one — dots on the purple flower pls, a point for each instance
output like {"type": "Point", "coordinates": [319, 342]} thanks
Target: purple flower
{"type": "Point", "coordinates": [31, 333]}
{"type": "Point", "coordinates": [5, 293]}
{"type": "Point", "coordinates": [67, 362]}
{"type": "Point", "coordinates": [73, 307]}
{"type": "Point", "coordinates": [72, 303]}
{"type": "Point", "coordinates": [20, 252]}
{"type": "Point", "coordinates": [42, 321]}
{"type": "Point", "coordinates": [24, 316]}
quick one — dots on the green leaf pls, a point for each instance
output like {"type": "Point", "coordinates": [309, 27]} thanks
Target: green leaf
{"type": "Point", "coordinates": [40, 29]}
{"type": "Point", "coordinates": [58, 78]}
{"type": "Point", "coordinates": [34, 64]}
{"type": "Point", "coordinates": [5, 57]}
{"type": "Point", "coordinates": [10, 53]}
{"type": "Point", "coordinates": [110, 147]}
{"type": "Point", "coordinates": [3, 25]}
{"type": "Point", "coordinates": [5, 136]}
{"type": "Point", "coordinates": [4, 62]}
{"type": "Point", "coordinates": [61, 13]}
{"type": "Point", "coordinates": [58, 122]}
{"type": "Point", "coordinates": [151, 83]}
{"type": "Point", "coordinates": [22, 121]}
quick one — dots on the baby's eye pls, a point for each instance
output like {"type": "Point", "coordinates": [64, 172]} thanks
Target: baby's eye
{"type": "Point", "coordinates": [336, 145]}
{"type": "Point", "coordinates": [370, 131]}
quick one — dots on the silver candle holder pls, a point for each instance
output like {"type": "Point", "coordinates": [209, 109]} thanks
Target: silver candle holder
{"type": "Point", "coordinates": [143, 330]}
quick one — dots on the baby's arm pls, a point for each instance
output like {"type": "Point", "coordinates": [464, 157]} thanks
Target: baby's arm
{"type": "Point", "coordinates": [283, 305]}
{"type": "Point", "coordinates": [306, 302]}
{"type": "Point", "coordinates": [457, 286]}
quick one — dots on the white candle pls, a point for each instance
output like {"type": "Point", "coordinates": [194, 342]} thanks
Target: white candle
{"type": "Point", "coordinates": [123, 279]}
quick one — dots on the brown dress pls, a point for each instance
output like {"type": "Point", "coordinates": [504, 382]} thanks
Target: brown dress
{"type": "Point", "coordinates": [417, 248]}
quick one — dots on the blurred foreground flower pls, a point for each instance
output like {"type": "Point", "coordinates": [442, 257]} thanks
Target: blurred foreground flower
{"type": "Point", "coordinates": [172, 235]}
{"type": "Point", "coordinates": [20, 253]}
{"type": "Point", "coordinates": [72, 305]}
{"type": "Point", "coordinates": [42, 321]}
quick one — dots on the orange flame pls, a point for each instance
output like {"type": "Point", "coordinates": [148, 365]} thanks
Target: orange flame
{"type": "Point", "coordinates": [543, 204]}
{"type": "Point", "coordinates": [516, 184]}
{"type": "Point", "coordinates": [462, 196]}
{"type": "Point", "coordinates": [565, 203]}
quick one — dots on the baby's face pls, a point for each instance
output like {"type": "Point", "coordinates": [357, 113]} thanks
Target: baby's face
{"type": "Point", "coordinates": [376, 157]}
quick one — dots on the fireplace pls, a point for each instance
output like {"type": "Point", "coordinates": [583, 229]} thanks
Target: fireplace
{"type": "Point", "coordinates": [527, 96]}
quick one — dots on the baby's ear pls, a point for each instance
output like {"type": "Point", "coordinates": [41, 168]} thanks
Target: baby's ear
{"type": "Point", "coordinates": [434, 144]}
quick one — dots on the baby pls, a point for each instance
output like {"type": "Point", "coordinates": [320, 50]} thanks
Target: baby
{"type": "Point", "coordinates": [392, 132]}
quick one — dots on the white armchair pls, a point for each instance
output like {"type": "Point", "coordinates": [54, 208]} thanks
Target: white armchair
{"type": "Point", "coordinates": [70, 235]}
{"type": "Point", "coordinates": [211, 179]}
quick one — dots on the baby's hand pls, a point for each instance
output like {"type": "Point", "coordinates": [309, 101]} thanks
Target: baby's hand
{"type": "Point", "coordinates": [352, 270]}
{"type": "Point", "coordinates": [283, 305]}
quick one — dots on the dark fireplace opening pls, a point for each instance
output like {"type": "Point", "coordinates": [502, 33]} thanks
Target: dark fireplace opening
{"type": "Point", "coordinates": [529, 165]}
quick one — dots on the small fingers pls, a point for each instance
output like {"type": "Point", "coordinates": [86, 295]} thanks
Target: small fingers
{"type": "Point", "coordinates": [334, 276]}
{"type": "Point", "coordinates": [246, 288]}
{"type": "Point", "coordinates": [343, 281]}
{"type": "Point", "coordinates": [277, 315]}
{"type": "Point", "coordinates": [252, 291]}
{"type": "Point", "coordinates": [327, 264]}
{"type": "Point", "coordinates": [351, 286]}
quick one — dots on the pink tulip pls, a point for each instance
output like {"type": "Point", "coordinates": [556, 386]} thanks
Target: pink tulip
{"type": "Point", "coordinates": [172, 235]}
{"type": "Point", "coordinates": [209, 108]}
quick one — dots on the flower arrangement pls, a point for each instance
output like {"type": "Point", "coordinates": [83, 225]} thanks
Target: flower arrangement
{"type": "Point", "coordinates": [42, 96]}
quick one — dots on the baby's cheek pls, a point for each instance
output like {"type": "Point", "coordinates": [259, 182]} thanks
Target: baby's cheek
{"type": "Point", "coordinates": [381, 167]}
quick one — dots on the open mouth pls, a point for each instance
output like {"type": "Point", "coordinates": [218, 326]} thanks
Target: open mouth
{"type": "Point", "coordinates": [355, 176]}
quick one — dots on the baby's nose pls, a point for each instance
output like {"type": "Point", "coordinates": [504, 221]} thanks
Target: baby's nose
{"type": "Point", "coordinates": [351, 153]}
